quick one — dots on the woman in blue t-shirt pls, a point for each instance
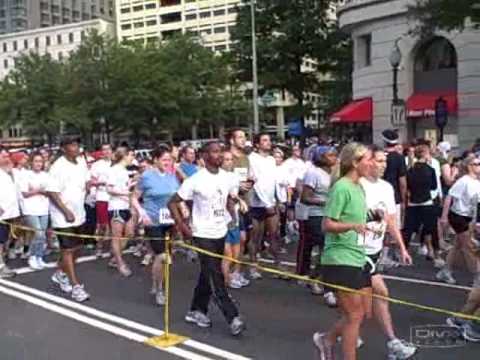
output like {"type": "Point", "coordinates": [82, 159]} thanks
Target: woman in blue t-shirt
{"type": "Point", "coordinates": [156, 186]}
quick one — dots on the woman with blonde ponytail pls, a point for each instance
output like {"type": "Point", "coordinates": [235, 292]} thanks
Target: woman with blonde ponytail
{"type": "Point", "coordinates": [344, 258]}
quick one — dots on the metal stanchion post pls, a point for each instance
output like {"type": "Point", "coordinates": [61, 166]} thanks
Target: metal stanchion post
{"type": "Point", "coordinates": [167, 339]}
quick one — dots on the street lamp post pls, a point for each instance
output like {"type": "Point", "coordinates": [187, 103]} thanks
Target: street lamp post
{"type": "Point", "coordinates": [256, 119]}
{"type": "Point", "coordinates": [398, 105]}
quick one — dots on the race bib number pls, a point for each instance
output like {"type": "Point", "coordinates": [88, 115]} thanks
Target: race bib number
{"type": "Point", "coordinates": [165, 218]}
{"type": "Point", "coordinates": [219, 214]}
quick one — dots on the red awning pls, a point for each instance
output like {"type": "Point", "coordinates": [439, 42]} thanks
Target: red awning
{"type": "Point", "coordinates": [423, 104]}
{"type": "Point", "coordinates": [358, 111]}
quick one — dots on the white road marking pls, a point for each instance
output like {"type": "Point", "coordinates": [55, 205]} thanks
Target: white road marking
{"type": "Point", "coordinates": [130, 335]}
{"type": "Point", "coordinates": [119, 320]}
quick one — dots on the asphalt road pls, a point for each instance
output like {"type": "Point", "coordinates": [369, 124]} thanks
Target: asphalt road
{"type": "Point", "coordinates": [39, 322]}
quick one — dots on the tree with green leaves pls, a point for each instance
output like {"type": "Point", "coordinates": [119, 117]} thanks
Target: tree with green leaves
{"type": "Point", "coordinates": [445, 15]}
{"type": "Point", "coordinates": [288, 33]}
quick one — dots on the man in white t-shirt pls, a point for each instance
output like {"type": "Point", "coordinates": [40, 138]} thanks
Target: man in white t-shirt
{"type": "Point", "coordinates": [381, 217]}
{"type": "Point", "coordinates": [263, 171]}
{"type": "Point", "coordinates": [212, 194]}
{"type": "Point", "coordinates": [69, 177]}
{"type": "Point", "coordinates": [9, 207]}
{"type": "Point", "coordinates": [99, 175]}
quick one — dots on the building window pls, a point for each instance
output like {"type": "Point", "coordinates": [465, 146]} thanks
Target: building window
{"type": "Point", "coordinates": [190, 17]}
{"type": "Point", "coordinates": [150, 6]}
{"type": "Point", "coordinates": [25, 44]}
{"type": "Point", "coordinates": [138, 8]}
{"type": "Point", "coordinates": [138, 25]}
{"type": "Point", "coordinates": [220, 12]}
{"type": "Point", "coordinates": [37, 43]}
{"type": "Point", "coordinates": [151, 22]}
{"type": "Point", "coordinates": [71, 38]}
{"type": "Point", "coordinates": [219, 30]}
{"type": "Point", "coordinates": [205, 14]}
{"type": "Point", "coordinates": [15, 46]}
{"type": "Point", "coordinates": [60, 56]}
{"type": "Point", "coordinates": [5, 47]}
{"type": "Point", "coordinates": [59, 39]}
{"type": "Point", "coordinates": [126, 26]}
{"type": "Point", "coordinates": [5, 63]}
{"type": "Point", "coordinates": [233, 10]}
{"type": "Point", "coordinates": [364, 51]}
{"type": "Point", "coordinates": [47, 40]}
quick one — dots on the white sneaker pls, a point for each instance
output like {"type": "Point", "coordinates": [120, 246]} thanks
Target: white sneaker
{"type": "Point", "coordinates": [422, 250]}
{"type": "Point", "coordinates": [316, 289]}
{"type": "Point", "coordinates": [235, 283]}
{"type": "Point", "coordinates": [160, 298]}
{"type": "Point", "coordinates": [60, 278]}
{"type": "Point", "coordinates": [446, 276]}
{"type": "Point", "coordinates": [400, 349]}
{"type": "Point", "coordinates": [79, 294]}
{"type": "Point", "coordinates": [255, 274]}
{"type": "Point", "coordinates": [243, 280]}
{"type": "Point", "coordinates": [330, 299]}
{"type": "Point", "coordinates": [33, 263]}
{"type": "Point", "coordinates": [42, 263]}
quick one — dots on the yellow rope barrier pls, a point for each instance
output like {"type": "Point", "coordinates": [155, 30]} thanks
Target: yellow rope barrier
{"type": "Point", "coordinates": [259, 267]}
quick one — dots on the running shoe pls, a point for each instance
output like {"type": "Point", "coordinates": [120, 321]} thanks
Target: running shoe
{"type": "Point", "coordinates": [456, 322]}
{"type": "Point", "coordinates": [61, 279]}
{"type": "Point", "coordinates": [237, 326]}
{"type": "Point", "coordinates": [330, 299]}
{"type": "Point", "coordinates": [445, 275]}
{"type": "Point", "coordinates": [422, 250]}
{"type": "Point", "coordinates": [316, 289]}
{"type": "Point", "coordinates": [255, 274]}
{"type": "Point", "coordinates": [360, 341]}
{"type": "Point", "coordinates": [198, 318]}
{"type": "Point", "coordinates": [400, 350]}
{"type": "Point", "coordinates": [25, 255]}
{"type": "Point", "coordinates": [6, 272]}
{"type": "Point", "coordinates": [160, 298]}
{"type": "Point", "coordinates": [242, 279]}
{"type": "Point", "coordinates": [147, 259]}
{"type": "Point", "coordinates": [42, 263]}
{"type": "Point", "coordinates": [125, 270]}
{"type": "Point", "coordinates": [79, 294]}
{"type": "Point", "coordinates": [33, 263]}
{"type": "Point", "coordinates": [323, 347]}
{"type": "Point", "coordinates": [471, 332]}
{"type": "Point", "coordinates": [234, 283]}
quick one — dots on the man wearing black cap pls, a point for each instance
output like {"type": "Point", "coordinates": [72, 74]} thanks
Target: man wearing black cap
{"type": "Point", "coordinates": [396, 171]}
{"type": "Point", "coordinates": [69, 176]}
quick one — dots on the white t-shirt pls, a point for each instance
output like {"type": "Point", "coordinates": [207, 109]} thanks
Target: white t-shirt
{"type": "Point", "coordinates": [209, 193]}
{"type": "Point", "coordinates": [8, 197]}
{"type": "Point", "coordinates": [319, 180]}
{"type": "Point", "coordinates": [263, 171]}
{"type": "Point", "coordinates": [435, 165]}
{"type": "Point", "coordinates": [36, 205]}
{"type": "Point", "coordinates": [380, 199]}
{"type": "Point", "coordinates": [296, 169]}
{"type": "Point", "coordinates": [466, 195]}
{"type": "Point", "coordinates": [69, 180]}
{"type": "Point", "coordinates": [100, 170]}
{"type": "Point", "coordinates": [282, 183]}
{"type": "Point", "coordinates": [118, 181]}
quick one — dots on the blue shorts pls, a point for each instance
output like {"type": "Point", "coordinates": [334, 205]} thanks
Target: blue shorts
{"type": "Point", "coordinates": [233, 237]}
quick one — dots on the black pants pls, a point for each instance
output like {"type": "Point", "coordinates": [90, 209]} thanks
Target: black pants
{"type": "Point", "coordinates": [211, 276]}
{"type": "Point", "coordinates": [313, 236]}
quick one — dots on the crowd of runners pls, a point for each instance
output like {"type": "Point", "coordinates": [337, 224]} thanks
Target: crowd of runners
{"type": "Point", "coordinates": [349, 212]}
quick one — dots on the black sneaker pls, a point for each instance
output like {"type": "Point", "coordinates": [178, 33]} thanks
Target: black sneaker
{"type": "Point", "coordinates": [237, 326]}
